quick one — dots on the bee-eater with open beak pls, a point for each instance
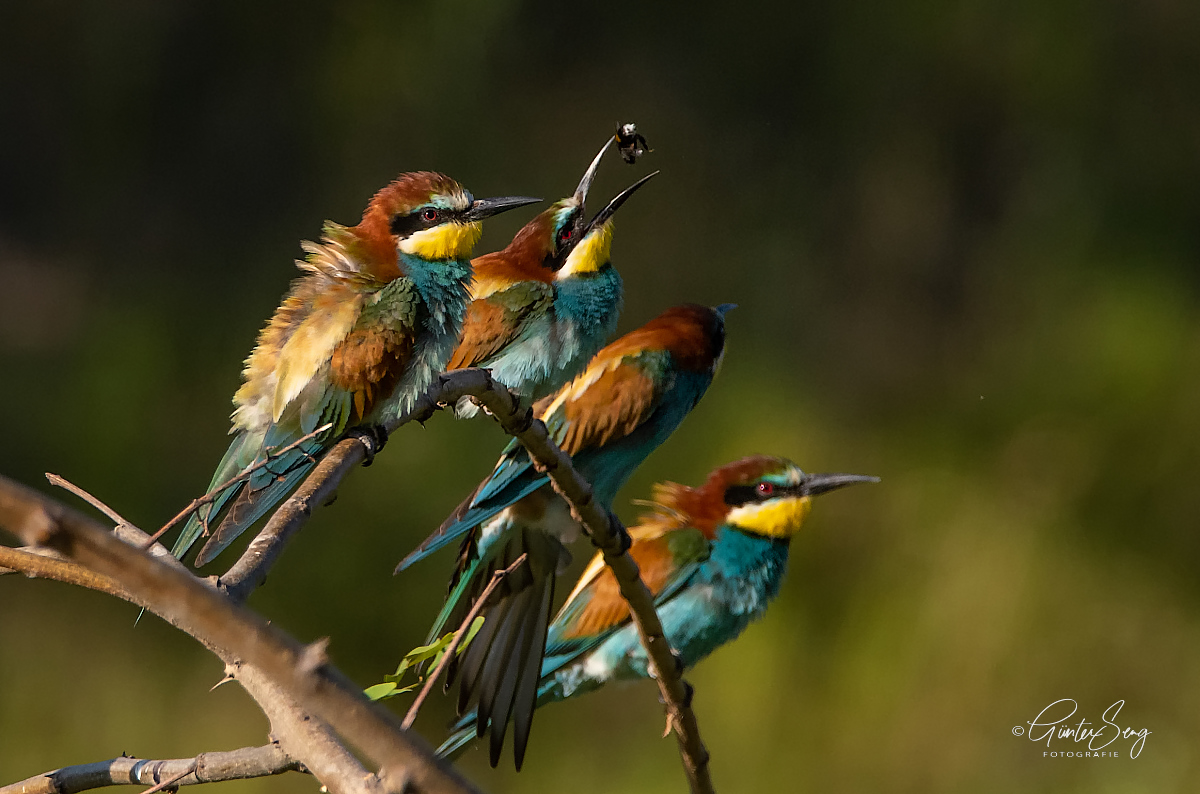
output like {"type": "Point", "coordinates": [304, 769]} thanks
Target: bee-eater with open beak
{"type": "Point", "coordinates": [545, 304]}
{"type": "Point", "coordinates": [358, 338]}
{"type": "Point", "coordinates": [631, 397]}
{"type": "Point", "coordinates": [713, 557]}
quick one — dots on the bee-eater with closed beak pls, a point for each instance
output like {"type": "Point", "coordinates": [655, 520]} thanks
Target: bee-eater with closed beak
{"type": "Point", "coordinates": [713, 557]}
{"type": "Point", "coordinates": [631, 397]}
{"type": "Point", "coordinates": [358, 338]}
{"type": "Point", "coordinates": [545, 304]}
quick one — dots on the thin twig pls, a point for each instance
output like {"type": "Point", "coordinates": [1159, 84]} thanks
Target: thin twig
{"type": "Point", "coordinates": [171, 781]}
{"type": "Point", "coordinates": [124, 530]}
{"type": "Point", "coordinates": [65, 484]}
{"type": "Point", "coordinates": [459, 636]}
{"type": "Point", "coordinates": [211, 767]}
{"type": "Point", "coordinates": [301, 672]}
{"type": "Point", "coordinates": [212, 495]}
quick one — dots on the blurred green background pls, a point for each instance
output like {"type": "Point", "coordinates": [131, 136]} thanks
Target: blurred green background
{"type": "Point", "coordinates": [964, 237]}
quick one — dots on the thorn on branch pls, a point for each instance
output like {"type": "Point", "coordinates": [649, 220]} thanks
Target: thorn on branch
{"type": "Point", "coordinates": [224, 680]}
{"type": "Point", "coordinates": [314, 656]}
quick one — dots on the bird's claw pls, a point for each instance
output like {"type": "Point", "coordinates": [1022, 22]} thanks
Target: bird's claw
{"type": "Point", "coordinates": [372, 437]}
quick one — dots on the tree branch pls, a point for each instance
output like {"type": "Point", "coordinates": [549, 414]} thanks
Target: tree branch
{"type": "Point", "coordinates": [205, 768]}
{"type": "Point", "coordinates": [301, 734]}
{"type": "Point", "coordinates": [302, 673]}
{"type": "Point", "coordinates": [604, 529]}
{"type": "Point", "coordinates": [610, 536]}
{"type": "Point", "coordinates": [304, 736]}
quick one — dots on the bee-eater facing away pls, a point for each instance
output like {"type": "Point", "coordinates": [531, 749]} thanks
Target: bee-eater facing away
{"type": "Point", "coordinates": [356, 340]}
{"type": "Point", "coordinates": [713, 557]}
{"type": "Point", "coordinates": [631, 397]}
{"type": "Point", "coordinates": [544, 305]}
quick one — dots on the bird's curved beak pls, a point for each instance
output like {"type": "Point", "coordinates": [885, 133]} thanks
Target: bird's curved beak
{"type": "Point", "coordinates": [603, 215]}
{"type": "Point", "coordinates": [585, 184]}
{"type": "Point", "coordinates": [814, 484]}
{"type": "Point", "coordinates": [486, 208]}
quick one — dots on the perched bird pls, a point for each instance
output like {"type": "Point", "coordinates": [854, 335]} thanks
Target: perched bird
{"type": "Point", "coordinates": [544, 305]}
{"type": "Point", "coordinates": [631, 397]}
{"type": "Point", "coordinates": [358, 338]}
{"type": "Point", "coordinates": [713, 557]}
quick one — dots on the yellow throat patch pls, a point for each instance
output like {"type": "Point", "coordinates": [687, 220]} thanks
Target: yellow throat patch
{"type": "Point", "coordinates": [778, 518]}
{"type": "Point", "coordinates": [591, 253]}
{"type": "Point", "coordinates": [448, 241]}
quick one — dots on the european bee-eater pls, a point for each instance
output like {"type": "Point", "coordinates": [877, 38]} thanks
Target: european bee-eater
{"type": "Point", "coordinates": [713, 557]}
{"type": "Point", "coordinates": [356, 340]}
{"type": "Point", "coordinates": [544, 305]}
{"type": "Point", "coordinates": [631, 397]}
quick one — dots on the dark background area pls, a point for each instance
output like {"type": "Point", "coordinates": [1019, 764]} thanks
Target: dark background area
{"type": "Point", "coordinates": [964, 239]}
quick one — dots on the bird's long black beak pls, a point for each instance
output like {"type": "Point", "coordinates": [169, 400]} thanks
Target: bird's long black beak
{"type": "Point", "coordinates": [486, 208]}
{"type": "Point", "coordinates": [585, 184]}
{"type": "Point", "coordinates": [603, 215]}
{"type": "Point", "coordinates": [814, 484]}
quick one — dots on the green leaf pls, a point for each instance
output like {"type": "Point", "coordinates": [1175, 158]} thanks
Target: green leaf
{"type": "Point", "coordinates": [476, 625]}
{"type": "Point", "coordinates": [380, 691]}
{"type": "Point", "coordinates": [391, 683]}
{"type": "Point", "coordinates": [418, 655]}
{"type": "Point", "coordinates": [389, 690]}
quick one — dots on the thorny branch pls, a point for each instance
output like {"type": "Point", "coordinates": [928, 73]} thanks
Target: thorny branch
{"type": "Point", "coordinates": [300, 733]}
{"type": "Point", "coordinates": [304, 672]}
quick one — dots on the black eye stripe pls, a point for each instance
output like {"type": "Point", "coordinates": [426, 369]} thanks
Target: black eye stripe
{"type": "Point", "coordinates": [408, 223]}
{"type": "Point", "coordinates": [738, 495]}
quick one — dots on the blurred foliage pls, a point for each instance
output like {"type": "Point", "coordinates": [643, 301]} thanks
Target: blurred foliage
{"type": "Point", "coordinates": [964, 239]}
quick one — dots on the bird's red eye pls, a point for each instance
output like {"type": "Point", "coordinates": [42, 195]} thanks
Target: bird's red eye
{"type": "Point", "coordinates": [430, 215]}
{"type": "Point", "coordinates": [566, 234]}
{"type": "Point", "coordinates": [765, 489]}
